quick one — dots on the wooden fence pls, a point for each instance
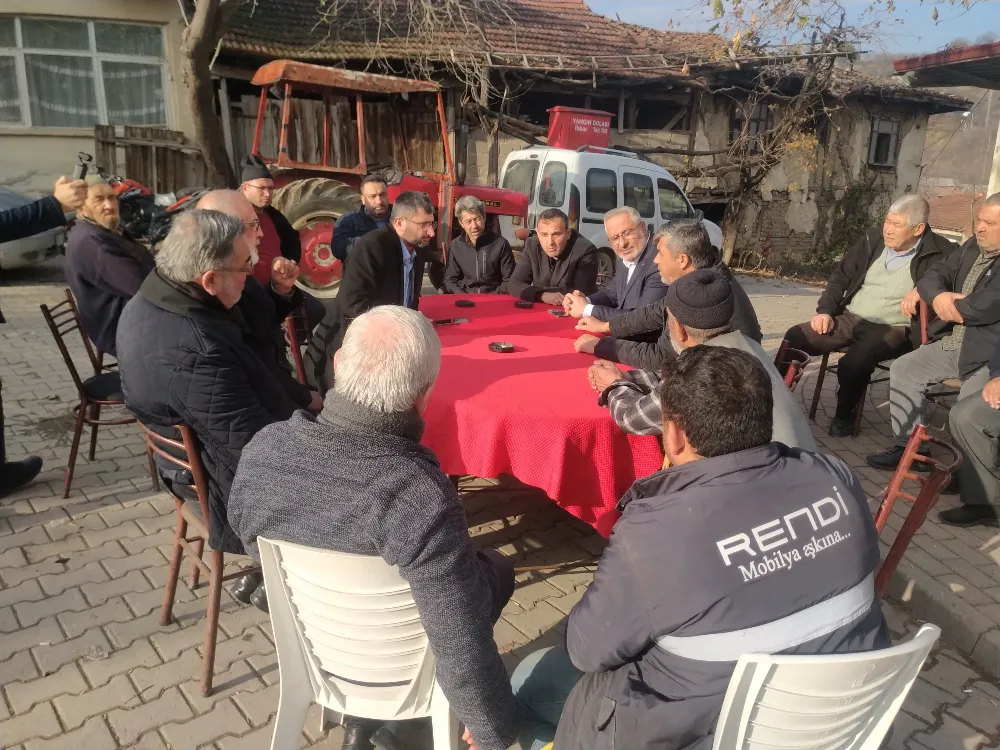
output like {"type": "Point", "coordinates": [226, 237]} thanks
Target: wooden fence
{"type": "Point", "coordinates": [162, 160]}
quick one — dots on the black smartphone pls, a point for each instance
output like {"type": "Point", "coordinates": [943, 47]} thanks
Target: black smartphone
{"type": "Point", "coordinates": [450, 321]}
{"type": "Point", "coordinates": [558, 313]}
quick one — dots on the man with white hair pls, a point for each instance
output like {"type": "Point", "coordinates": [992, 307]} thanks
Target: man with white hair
{"type": "Point", "coordinates": [480, 261]}
{"type": "Point", "coordinates": [184, 356]}
{"type": "Point", "coordinates": [364, 484]}
{"type": "Point", "coordinates": [636, 282]}
{"type": "Point", "coordinates": [870, 302]}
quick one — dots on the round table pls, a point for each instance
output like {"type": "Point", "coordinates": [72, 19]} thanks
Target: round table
{"type": "Point", "coordinates": [530, 413]}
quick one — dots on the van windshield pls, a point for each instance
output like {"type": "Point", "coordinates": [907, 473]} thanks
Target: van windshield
{"type": "Point", "coordinates": [520, 176]}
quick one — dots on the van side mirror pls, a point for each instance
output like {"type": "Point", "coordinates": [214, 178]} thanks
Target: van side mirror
{"type": "Point", "coordinates": [699, 214]}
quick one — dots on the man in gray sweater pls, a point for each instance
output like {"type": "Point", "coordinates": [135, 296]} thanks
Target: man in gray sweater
{"type": "Point", "coordinates": [361, 482]}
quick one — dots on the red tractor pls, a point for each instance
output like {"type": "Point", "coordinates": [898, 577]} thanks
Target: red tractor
{"type": "Point", "coordinates": [314, 195]}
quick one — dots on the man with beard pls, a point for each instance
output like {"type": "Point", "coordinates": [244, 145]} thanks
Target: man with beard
{"type": "Point", "coordinates": [103, 268]}
{"type": "Point", "coordinates": [373, 214]}
{"type": "Point", "coordinates": [387, 269]}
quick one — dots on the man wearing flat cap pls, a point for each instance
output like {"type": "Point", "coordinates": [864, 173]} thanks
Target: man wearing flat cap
{"type": "Point", "coordinates": [104, 269]}
{"type": "Point", "coordinates": [700, 307]}
{"type": "Point", "coordinates": [277, 236]}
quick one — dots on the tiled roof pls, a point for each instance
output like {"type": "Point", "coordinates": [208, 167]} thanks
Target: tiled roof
{"type": "Point", "coordinates": [555, 34]}
{"type": "Point", "coordinates": [954, 212]}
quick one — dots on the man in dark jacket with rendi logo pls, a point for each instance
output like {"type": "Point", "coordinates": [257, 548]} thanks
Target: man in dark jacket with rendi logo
{"type": "Point", "coordinates": [742, 546]}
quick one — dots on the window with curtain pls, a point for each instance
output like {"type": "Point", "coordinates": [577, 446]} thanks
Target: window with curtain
{"type": "Point", "coordinates": [69, 73]}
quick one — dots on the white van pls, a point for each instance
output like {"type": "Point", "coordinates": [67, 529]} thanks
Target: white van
{"type": "Point", "coordinates": [589, 182]}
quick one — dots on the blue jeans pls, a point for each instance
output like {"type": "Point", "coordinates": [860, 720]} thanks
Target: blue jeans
{"type": "Point", "coordinates": [541, 683]}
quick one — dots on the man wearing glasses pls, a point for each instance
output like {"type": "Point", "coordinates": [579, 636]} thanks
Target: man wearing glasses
{"type": "Point", "coordinates": [386, 268]}
{"type": "Point", "coordinates": [636, 281]}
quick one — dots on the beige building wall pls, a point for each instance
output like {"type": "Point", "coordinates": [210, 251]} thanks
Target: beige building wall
{"type": "Point", "coordinates": [32, 159]}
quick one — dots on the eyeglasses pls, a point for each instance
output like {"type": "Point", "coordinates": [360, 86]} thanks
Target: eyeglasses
{"type": "Point", "coordinates": [269, 188]}
{"type": "Point", "coordinates": [627, 234]}
{"type": "Point", "coordinates": [255, 224]}
{"type": "Point", "coordinates": [247, 267]}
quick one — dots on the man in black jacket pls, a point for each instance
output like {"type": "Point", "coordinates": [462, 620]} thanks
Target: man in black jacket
{"type": "Point", "coordinates": [480, 261]}
{"type": "Point", "coordinates": [974, 423]}
{"type": "Point", "coordinates": [365, 485]}
{"type": "Point", "coordinates": [555, 261]}
{"type": "Point", "coordinates": [637, 280]}
{"type": "Point", "coordinates": [386, 268]}
{"type": "Point", "coordinates": [656, 650]}
{"type": "Point", "coordinates": [640, 338]}
{"type": "Point", "coordinates": [103, 267]}
{"type": "Point", "coordinates": [964, 290]}
{"type": "Point", "coordinates": [373, 214]}
{"type": "Point", "coordinates": [184, 355]}
{"type": "Point", "coordinates": [870, 302]}
{"type": "Point", "coordinates": [15, 223]}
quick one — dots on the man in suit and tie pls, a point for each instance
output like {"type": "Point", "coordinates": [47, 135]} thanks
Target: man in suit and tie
{"type": "Point", "coordinates": [636, 281]}
{"type": "Point", "coordinates": [386, 268]}
{"type": "Point", "coordinates": [555, 261]}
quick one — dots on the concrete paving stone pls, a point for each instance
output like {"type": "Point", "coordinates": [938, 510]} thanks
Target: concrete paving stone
{"type": "Point", "coordinates": [153, 525]}
{"type": "Point", "coordinates": [46, 631]}
{"type": "Point", "coordinates": [118, 693]}
{"type": "Point", "coordinates": [976, 576]}
{"type": "Point", "coordinates": [151, 601]}
{"type": "Point", "coordinates": [30, 613]}
{"type": "Point", "coordinates": [930, 565]}
{"type": "Point", "coordinates": [130, 724]}
{"type": "Point", "coordinates": [152, 680]}
{"type": "Point", "coordinates": [253, 641]}
{"type": "Point", "coordinates": [139, 654]}
{"type": "Point", "coordinates": [980, 711]}
{"type": "Point", "coordinates": [62, 528]}
{"type": "Point", "coordinates": [8, 622]}
{"type": "Point", "coordinates": [150, 558]}
{"type": "Point", "coordinates": [239, 679]}
{"type": "Point", "coordinates": [93, 735]}
{"type": "Point", "coordinates": [28, 591]}
{"type": "Point", "coordinates": [126, 530]}
{"type": "Point", "coordinates": [124, 633]}
{"type": "Point", "coordinates": [149, 741]}
{"type": "Point", "coordinates": [537, 620]}
{"type": "Point", "coordinates": [236, 618]}
{"type": "Point", "coordinates": [122, 514]}
{"type": "Point", "coordinates": [259, 706]}
{"type": "Point", "coordinates": [114, 610]}
{"type": "Point", "coordinates": [18, 668]}
{"type": "Point", "coordinates": [12, 558]}
{"type": "Point", "coordinates": [22, 521]}
{"type": "Point", "coordinates": [171, 644]}
{"type": "Point", "coordinates": [507, 636]}
{"type": "Point", "coordinates": [98, 593]}
{"type": "Point", "coordinates": [149, 541]}
{"type": "Point", "coordinates": [924, 699]}
{"type": "Point", "coordinates": [39, 552]}
{"type": "Point", "coordinates": [986, 652]}
{"type": "Point", "coordinates": [948, 675]}
{"type": "Point", "coordinates": [40, 722]}
{"type": "Point", "coordinates": [566, 603]}
{"type": "Point", "coordinates": [56, 583]}
{"type": "Point", "coordinates": [224, 719]}
{"type": "Point", "coordinates": [24, 695]}
{"type": "Point", "coordinates": [51, 656]}
{"type": "Point", "coordinates": [529, 593]}
{"type": "Point", "coordinates": [265, 665]}
{"type": "Point", "coordinates": [951, 735]}
{"type": "Point", "coordinates": [963, 551]}
{"type": "Point", "coordinates": [965, 590]}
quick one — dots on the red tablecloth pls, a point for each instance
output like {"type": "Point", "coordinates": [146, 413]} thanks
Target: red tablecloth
{"type": "Point", "coordinates": [530, 413]}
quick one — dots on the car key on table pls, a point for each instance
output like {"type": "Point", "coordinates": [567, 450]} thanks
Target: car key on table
{"type": "Point", "coordinates": [450, 321]}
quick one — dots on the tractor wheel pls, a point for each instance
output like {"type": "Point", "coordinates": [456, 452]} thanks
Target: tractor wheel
{"type": "Point", "coordinates": [605, 265]}
{"type": "Point", "coordinates": [313, 206]}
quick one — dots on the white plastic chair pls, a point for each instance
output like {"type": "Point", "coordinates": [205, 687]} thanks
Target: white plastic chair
{"type": "Point", "coordinates": [348, 637]}
{"type": "Point", "coordinates": [837, 702]}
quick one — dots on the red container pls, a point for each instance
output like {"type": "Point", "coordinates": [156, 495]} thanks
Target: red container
{"type": "Point", "coordinates": [571, 127]}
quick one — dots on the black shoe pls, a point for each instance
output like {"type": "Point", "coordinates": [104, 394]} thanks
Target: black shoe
{"type": "Point", "coordinates": [259, 599]}
{"type": "Point", "coordinates": [970, 515]}
{"type": "Point", "coordinates": [889, 460]}
{"type": "Point", "coordinates": [841, 427]}
{"type": "Point", "coordinates": [358, 734]}
{"type": "Point", "coordinates": [15, 474]}
{"type": "Point", "coordinates": [244, 587]}
{"type": "Point", "coordinates": [383, 739]}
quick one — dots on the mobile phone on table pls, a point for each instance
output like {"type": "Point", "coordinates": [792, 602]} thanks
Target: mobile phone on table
{"type": "Point", "coordinates": [450, 321]}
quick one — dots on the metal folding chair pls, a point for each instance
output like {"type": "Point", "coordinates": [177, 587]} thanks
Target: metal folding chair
{"type": "Point", "coordinates": [100, 389]}
{"type": "Point", "coordinates": [930, 490]}
{"type": "Point", "coordinates": [192, 515]}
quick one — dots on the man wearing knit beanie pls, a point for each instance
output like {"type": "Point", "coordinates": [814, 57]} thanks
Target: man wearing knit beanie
{"type": "Point", "coordinates": [700, 307]}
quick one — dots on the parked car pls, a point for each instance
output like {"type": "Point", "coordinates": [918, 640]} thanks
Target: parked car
{"type": "Point", "coordinates": [588, 182]}
{"type": "Point", "coordinates": [28, 251]}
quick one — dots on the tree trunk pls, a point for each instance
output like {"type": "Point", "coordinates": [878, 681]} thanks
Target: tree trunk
{"type": "Point", "coordinates": [731, 227]}
{"type": "Point", "coordinates": [197, 48]}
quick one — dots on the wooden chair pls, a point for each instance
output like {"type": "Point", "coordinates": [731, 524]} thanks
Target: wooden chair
{"type": "Point", "coordinates": [100, 389]}
{"type": "Point", "coordinates": [793, 362]}
{"type": "Point", "coordinates": [930, 490]}
{"type": "Point", "coordinates": [192, 515]}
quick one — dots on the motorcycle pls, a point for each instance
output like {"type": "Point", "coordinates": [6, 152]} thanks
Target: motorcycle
{"type": "Point", "coordinates": [145, 215]}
